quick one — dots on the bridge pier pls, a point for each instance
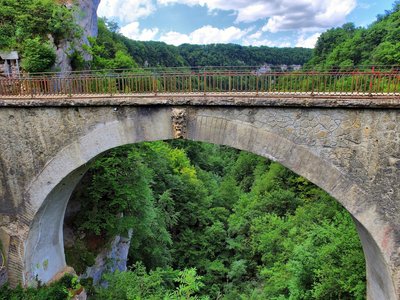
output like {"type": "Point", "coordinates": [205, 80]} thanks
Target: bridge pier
{"type": "Point", "coordinates": [353, 154]}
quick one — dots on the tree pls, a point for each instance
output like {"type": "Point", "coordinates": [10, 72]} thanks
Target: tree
{"type": "Point", "coordinates": [38, 56]}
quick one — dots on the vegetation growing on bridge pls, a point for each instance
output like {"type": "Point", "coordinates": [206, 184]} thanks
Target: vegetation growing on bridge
{"type": "Point", "coordinates": [235, 224]}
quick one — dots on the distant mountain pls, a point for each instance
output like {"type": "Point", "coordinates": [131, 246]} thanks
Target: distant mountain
{"type": "Point", "coordinates": [153, 54]}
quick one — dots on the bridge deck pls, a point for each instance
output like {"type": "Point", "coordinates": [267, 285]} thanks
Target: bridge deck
{"type": "Point", "coordinates": [249, 87]}
{"type": "Point", "coordinates": [295, 99]}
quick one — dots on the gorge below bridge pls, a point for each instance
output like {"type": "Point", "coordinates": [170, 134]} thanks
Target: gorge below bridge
{"type": "Point", "coordinates": [340, 131]}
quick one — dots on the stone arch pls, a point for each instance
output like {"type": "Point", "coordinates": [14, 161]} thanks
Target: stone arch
{"type": "Point", "coordinates": [48, 193]}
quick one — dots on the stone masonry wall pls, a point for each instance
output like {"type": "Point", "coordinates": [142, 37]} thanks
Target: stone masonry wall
{"type": "Point", "coordinates": [361, 146]}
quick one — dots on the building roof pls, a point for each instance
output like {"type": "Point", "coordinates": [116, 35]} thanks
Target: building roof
{"type": "Point", "coordinates": [9, 55]}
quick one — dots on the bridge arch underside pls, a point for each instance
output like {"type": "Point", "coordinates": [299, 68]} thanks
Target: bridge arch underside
{"type": "Point", "coordinates": [48, 194]}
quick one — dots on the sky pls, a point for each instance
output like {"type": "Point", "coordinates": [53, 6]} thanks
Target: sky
{"type": "Point", "coordinates": [275, 23]}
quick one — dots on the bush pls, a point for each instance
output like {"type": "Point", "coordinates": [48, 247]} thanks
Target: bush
{"type": "Point", "coordinates": [64, 289]}
{"type": "Point", "coordinates": [38, 56]}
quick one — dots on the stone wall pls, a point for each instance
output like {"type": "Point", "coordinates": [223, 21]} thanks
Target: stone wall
{"type": "Point", "coordinates": [3, 270]}
{"type": "Point", "coordinates": [352, 153]}
{"type": "Point", "coordinates": [3, 276]}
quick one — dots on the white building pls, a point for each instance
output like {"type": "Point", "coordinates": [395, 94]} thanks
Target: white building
{"type": "Point", "coordinates": [9, 64]}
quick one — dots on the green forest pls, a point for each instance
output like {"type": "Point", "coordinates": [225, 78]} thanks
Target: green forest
{"type": "Point", "coordinates": [155, 54]}
{"type": "Point", "coordinates": [378, 44]}
{"type": "Point", "coordinates": [111, 50]}
{"type": "Point", "coordinates": [211, 222]}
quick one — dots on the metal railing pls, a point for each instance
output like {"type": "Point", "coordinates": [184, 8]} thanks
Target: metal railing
{"type": "Point", "coordinates": [202, 81]}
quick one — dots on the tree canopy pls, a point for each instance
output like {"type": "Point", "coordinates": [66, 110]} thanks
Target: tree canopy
{"type": "Point", "coordinates": [249, 227]}
{"type": "Point", "coordinates": [159, 54]}
{"type": "Point", "coordinates": [378, 44]}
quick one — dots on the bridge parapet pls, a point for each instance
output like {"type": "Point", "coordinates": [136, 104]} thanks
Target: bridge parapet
{"type": "Point", "coordinates": [187, 82]}
{"type": "Point", "coordinates": [48, 141]}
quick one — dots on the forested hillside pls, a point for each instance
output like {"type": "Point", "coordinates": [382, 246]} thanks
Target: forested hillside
{"type": "Point", "coordinates": [378, 44]}
{"type": "Point", "coordinates": [221, 223]}
{"type": "Point", "coordinates": [112, 50]}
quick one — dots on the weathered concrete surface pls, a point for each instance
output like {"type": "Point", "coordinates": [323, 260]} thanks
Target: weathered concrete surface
{"type": "Point", "coordinates": [3, 269]}
{"type": "Point", "coordinates": [352, 153]}
{"type": "Point", "coordinates": [218, 99]}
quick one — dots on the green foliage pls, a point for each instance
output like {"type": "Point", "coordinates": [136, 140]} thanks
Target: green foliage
{"type": "Point", "coordinates": [251, 228]}
{"type": "Point", "coordinates": [79, 256]}
{"type": "Point", "coordinates": [156, 284]}
{"type": "Point", "coordinates": [348, 46]}
{"type": "Point", "coordinates": [64, 289]}
{"type": "Point", "coordinates": [38, 56]}
{"type": "Point", "coordinates": [158, 54]}
{"type": "Point", "coordinates": [237, 55]}
{"type": "Point", "coordinates": [25, 26]}
{"type": "Point", "coordinates": [107, 51]}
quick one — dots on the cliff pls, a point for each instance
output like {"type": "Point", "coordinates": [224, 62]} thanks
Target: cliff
{"type": "Point", "coordinates": [86, 18]}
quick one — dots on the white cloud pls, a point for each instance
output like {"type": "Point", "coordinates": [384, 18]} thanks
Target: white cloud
{"type": "Point", "coordinates": [126, 11]}
{"type": "Point", "coordinates": [205, 35]}
{"type": "Point", "coordinates": [281, 14]}
{"type": "Point", "coordinates": [257, 39]}
{"type": "Point", "coordinates": [132, 30]}
{"type": "Point", "coordinates": [249, 41]}
{"type": "Point", "coordinates": [175, 38]}
{"type": "Point", "coordinates": [255, 36]}
{"type": "Point", "coordinates": [308, 42]}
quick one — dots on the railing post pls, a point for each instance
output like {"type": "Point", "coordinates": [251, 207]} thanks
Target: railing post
{"type": "Point", "coordinates": [109, 86]}
{"type": "Point", "coordinates": [230, 81]}
{"type": "Point", "coordinates": [312, 83]}
{"type": "Point", "coordinates": [155, 88]}
{"type": "Point", "coordinates": [70, 87]}
{"type": "Point", "coordinates": [205, 83]}
{"type": "Point", "coordinates": [31, 87]}
{"type": "Point", "coordinates": [371, 81]}
{"type": "Point", "coordinates": [256, 85]}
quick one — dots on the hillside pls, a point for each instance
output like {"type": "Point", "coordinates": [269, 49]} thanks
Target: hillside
{"type": "Point", "coordinates": [378, 44]}
{"type": "Point", "coordinates": [113, 50]}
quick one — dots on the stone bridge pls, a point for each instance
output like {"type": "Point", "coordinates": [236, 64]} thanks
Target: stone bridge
{"type": "Point", "coordinates": [347, 145]}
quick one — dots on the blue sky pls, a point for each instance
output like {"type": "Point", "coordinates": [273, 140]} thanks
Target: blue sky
{"type": "Point", "coordinates": [281, 23]}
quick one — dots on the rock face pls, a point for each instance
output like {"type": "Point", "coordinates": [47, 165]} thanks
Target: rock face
{"type": "Point", "coordinates": [86, 18]}
{"type": "Point", "coordinates": [3, 276]}
{"type": "Point", "coordinates": [3, 271]}
{"type": "Point", "coordinates": [110, 259]}
{"type": "Point", "coordinates": [63, 60]}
